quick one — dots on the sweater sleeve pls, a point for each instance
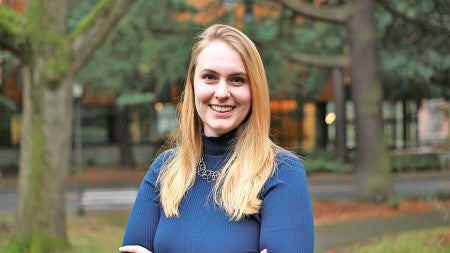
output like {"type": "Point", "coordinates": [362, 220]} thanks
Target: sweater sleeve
{"type": "Point", "coordinates": [144, 216]}
{"type": "Point", "coordinates": [287, 223]}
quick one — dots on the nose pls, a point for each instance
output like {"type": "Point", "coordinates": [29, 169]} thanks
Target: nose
{"type": "Point", "coordinates": [222, 90]}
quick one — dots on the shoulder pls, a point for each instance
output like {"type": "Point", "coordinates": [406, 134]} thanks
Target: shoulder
{"type": "Point", "coordinates": [286, 160]}
{"type": "Point", "coordinates": [163, 157]}
{"type": "Point", "coordinates": [289, 172]}
{"type": "Point", "coordinates": [158, 163]}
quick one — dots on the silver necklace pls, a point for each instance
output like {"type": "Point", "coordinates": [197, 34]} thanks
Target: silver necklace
{"type": "Point", "coordinates": [208, 175]}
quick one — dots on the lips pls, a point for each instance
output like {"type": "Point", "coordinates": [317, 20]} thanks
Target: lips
{"type": "Point", "coordinates": [219, 108]}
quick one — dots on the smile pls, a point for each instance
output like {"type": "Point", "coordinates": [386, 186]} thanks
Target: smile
{"type": "Point", "coordinates": [221, 108]}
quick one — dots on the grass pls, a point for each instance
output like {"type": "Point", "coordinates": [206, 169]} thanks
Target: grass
{"type": "Point", "coordinates": [98, 233]}
{"type": "Point", "coordinates": [95, 232]}
{"type": "Point", "coordinates": [429, 240]}
{"type": "Point", "coordinates": [102, 232]}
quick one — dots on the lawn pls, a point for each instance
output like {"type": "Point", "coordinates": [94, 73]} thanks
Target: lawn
{"type": "Point", "coordinates": [429, 240]}
{"type": "Point", "coordinates": [100, 233]}
{"type": "Point", "coordinates": [96, 232]}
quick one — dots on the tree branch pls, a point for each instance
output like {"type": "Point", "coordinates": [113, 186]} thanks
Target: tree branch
{"type": "Point", "coordinates": [335, 14]}
{"type": "Point", "coordinates": [96, 27]}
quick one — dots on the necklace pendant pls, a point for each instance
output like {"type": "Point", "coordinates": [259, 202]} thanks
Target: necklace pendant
{"type": "Point", "coordinates": [203, 172]}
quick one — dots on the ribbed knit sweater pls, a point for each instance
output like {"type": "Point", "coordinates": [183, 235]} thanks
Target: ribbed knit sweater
{"type": "Point", "coordinates": [284, 223]}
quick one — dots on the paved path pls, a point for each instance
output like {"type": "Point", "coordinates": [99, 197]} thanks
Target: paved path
{"type": "Point", "coordinates": [341, 187]}
{"type": "Point", "coordinates": [335, 187]}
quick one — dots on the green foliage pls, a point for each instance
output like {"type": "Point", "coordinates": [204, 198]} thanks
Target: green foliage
{"type": "Point", "coordinates": [414, 48]}
{"type": "Point", "coordinates": [394, 203]}
{"type": "Point", "coordinates": [50, 44]}
{"type": "Point", "coordinates": [414, 59]}
{"type": "Point", "coordinates": [12, 36]}
{"type": "Point", "coordinates": [150, 52]}
{"type": "Point", "coordinates": [442, 195]}
{"type": "Point", "coordinates": [417, 162]}
{"type": "Point", "coordinates": [277, 36]}
{"type": "Point", "coordinates": [78, 12]}
{"type": "Point", "coordinates": [88, 19]}
{"type": "Point", "coordinates": [144, 53]}
{"type": "Point", "coordinates": [138, 98]}
{"type": "Point", "coordinates": [10, 22]}
{"type": "Point", "coordinates": [321, 161]}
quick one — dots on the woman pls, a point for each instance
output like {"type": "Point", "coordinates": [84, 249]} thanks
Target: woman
{"type": "Point", "coordinates": [225, 187]}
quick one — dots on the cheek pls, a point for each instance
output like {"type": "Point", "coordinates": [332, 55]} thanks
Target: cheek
{"type": "Point", "coordinates": [201, 96]}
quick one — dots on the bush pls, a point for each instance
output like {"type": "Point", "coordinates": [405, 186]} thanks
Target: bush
{"type": "Point", "coordinates": [417, 162]}
{"type": "Point", "coordinates": [320, 161]}
{"type": "Point", "coordinates": [9, 169]}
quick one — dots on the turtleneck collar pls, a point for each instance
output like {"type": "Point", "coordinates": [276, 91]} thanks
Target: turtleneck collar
{"type": "Point", "coordinates": [218, 145]}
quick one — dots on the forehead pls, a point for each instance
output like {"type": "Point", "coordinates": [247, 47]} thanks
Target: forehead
{"type": "Point", "coordinates": [218, 54]}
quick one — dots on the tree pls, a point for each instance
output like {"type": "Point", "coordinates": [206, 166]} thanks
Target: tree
{"type": "Point", "coordinates": [142, 74]}
{"type": "Point", "coordinates": [372, 162]}
{"type": "Point", "coordinates": [414, 63]}
{"type": "Point", "coordinates": [414, 53]}
{"type": "Point", "coordinates": [53, 55]}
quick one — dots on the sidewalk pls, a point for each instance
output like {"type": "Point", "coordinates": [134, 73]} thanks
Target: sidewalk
{"type": "Point", "coordinates": [407, 185]}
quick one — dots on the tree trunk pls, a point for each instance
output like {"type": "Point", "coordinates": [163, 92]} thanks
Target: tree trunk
{"type": "Point", "coordinates": [124, 139]}
{"type": "Point", "coordinates": [47, 117]}
{"type": "Point", "coordinates": [322, 127]}
{"type": "Point", "coordinates": [339, 103]}
{"type": "Point", "coordinates": [372, 162]}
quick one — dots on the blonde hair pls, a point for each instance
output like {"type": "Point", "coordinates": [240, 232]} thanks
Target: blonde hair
{"type": "Point", "coordinates": [242, 178]}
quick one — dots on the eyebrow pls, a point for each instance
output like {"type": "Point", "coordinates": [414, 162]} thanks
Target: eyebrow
{"type": "Point", "coordinates": [232, 74]}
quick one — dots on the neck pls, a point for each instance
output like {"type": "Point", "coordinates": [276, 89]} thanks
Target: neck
{"type": "Point", "coordinates": [218, 145]}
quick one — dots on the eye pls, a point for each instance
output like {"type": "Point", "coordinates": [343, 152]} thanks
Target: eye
{"type": "Point", "coordinates": [238, 80]}
{"type": "Point", "coordinates": [208, 77]}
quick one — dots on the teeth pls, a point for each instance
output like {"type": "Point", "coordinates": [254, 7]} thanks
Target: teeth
{"type": "Point", "coordinates": [221, 108]}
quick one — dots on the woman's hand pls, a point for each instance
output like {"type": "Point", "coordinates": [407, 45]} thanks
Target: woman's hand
{"type": "Point", "coordinates": [136, 249]}
{"type": "Point", "coordinates": [139, 249]}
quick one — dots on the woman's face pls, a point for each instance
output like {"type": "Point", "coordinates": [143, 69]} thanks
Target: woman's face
{"type": "Point", "coordinates": [221, 88]}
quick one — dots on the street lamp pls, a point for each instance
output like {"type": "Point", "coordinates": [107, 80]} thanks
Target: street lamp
{"type": "Point", "coordinates": [77, 91]}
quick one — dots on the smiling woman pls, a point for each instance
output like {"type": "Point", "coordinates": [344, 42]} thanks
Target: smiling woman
{"type": "Point", "coordinates": [221, 89]}
{"type": "Point", "coordinates": [225, 186]}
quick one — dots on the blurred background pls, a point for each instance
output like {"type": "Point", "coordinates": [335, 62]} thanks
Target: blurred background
{"type": "Point", "coordinates": [126, 94]}
{"type": "Point", "coordinates": [357, 88]}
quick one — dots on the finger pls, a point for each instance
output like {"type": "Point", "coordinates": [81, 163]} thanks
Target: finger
{"type": "Point", "coordinates": [128, 248]}
{"type": "Point", "coordinates": [264, 251]}
{"type": "Point", "coordinates": [133, 249]}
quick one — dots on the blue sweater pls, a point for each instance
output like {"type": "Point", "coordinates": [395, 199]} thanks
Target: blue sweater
{"type": "Point", "coordinates": [284, 223]}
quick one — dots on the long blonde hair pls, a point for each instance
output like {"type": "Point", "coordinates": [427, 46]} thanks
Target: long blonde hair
{"type": "Point", "coordinates": [252, 161]}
